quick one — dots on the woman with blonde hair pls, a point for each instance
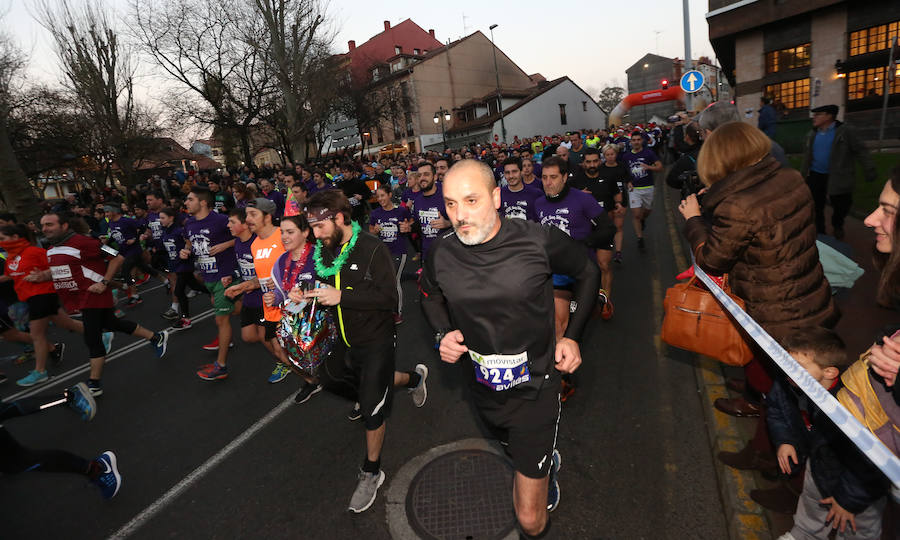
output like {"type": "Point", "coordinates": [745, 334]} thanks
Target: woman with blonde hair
{"type": "Point", "coordinates": [757, 225]}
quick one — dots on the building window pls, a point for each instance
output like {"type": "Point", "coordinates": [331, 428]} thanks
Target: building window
{"type": "Point", "coordinates": [562, 113]}
{"type": "Point", "coordinates": [416, 52]}
{"type": "Point", "coordinates": [869, 83]}
{"type": "Point", "coordinates": [584, 106]}
{"type": "Point", "coordinates": [790, 94]}
{"type": "Point", "coordinates": [786, 59]}
{"type": "Point", "coordinates": [397, 49]}
{"type": "Point", "coordinates": [873, 39]}
{"type": "Point", "coordinates": [396, 66]}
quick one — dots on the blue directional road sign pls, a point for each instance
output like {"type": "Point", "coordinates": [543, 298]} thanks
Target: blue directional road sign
{"type": "Point", "coordinates": [692, 81]}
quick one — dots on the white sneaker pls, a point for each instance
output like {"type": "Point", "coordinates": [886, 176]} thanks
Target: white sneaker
{"type": "Point", "coordinates": [420, 392]}
{"type": "Point", "coordinates": [366, 490]}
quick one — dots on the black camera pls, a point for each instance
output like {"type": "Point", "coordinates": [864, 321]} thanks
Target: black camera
{"type": "Point", "coordinates": [690, 184]}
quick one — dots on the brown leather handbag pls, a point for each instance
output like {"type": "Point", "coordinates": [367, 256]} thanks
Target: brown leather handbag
{"type": "Point", "coordinates": [694, 320]}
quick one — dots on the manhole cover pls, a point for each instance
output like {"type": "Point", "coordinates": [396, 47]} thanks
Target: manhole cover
{"type": "Point", "coordinates": [462, 495]}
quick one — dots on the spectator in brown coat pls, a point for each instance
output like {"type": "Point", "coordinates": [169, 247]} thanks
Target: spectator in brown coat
{"type": "Point", "coordinates": [757, 225]}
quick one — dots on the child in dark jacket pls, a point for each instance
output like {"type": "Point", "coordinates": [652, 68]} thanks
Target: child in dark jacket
{"type": "Point", "coordinates": [841, 488]}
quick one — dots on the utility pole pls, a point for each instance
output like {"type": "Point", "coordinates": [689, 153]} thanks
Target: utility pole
{"type": "Point", "coordinates": [890, 73]}
{"type": "Point", "coordinates": [688, 105]}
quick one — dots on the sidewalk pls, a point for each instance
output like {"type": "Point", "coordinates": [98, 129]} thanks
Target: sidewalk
{"type": "Point", "coordinates": [860, 321]}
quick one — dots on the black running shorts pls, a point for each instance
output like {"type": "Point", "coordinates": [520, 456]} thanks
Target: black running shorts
{"type": "Point", "coordinates": [362, 373]}
{"type": "Point", "coordinates": [41, 306]}
{"type": "Point", "coordinates": [526, 428]}
{"type": "Point", "coordinates": [252, 315]}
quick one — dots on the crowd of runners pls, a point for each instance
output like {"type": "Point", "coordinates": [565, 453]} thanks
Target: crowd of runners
{"type": "Point", "coordinates": [502, 239]}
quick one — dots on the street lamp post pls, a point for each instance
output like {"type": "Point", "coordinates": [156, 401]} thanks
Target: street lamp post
{"type": "Point", "coordinates": [440, 117]}
{"type": "Point", "coordinates": [497, 74]}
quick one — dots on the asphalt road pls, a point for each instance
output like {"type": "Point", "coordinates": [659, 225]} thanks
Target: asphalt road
{"type": "Point", "coordinates": [637, 462]}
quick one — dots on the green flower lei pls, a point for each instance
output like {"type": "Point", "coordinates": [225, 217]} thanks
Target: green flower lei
{"type": "Point", "coordinates": [328, 271]}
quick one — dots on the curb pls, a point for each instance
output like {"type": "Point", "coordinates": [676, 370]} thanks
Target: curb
{"type": "Point", "coordinates": [745, 519]}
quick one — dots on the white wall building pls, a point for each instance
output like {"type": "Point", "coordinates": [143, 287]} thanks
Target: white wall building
{"type": "Point", "coordinates": [552, 107]}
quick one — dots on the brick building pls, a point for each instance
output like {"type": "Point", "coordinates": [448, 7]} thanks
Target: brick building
{"type": "Point", "coordinates": [805, 54]}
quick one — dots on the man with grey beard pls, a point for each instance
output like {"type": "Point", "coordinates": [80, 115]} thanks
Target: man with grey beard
{"type": "Point", "coordinates": [487, 291]}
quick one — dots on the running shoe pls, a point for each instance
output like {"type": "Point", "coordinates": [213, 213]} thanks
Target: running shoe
{"type": "Point", "coordinates": [171, 315]}
{"type": "Point", "coordinates": [95, 387]}
{"type": "Point", "coordinates": [355, 413]}
{"type": "Point", "coordinates": [34, 377]}
{"type": "Point", "coordinates": [279, 373]}
{"type": "Point", "coordinates": [618, 257]}
{"type": "Point", "coordinates": [75, 314]}
{"type": "Point", "coordinates": [81, 401]}
{"type": "Point", "coordinates": [119, 313]}
{"type": "Point", "coordinates": [307, 391]}
{"type": "Point", "coordinates": [182, 324]}
{"type": "Point", "coordinates": [109, 480]}
{"type": "Point", "coordinates": [160, 340]}
{"type": "Point", "coordinates": [107, 341]}
{"type": "Point", "coordinates": [213, 372]}
{"type": "Point", "coordinates": [143, 279]}
{"type": "Point", "coordinates": [553, 487]}
{"type": "Point", "coordinates": [214, 345]}
{"type": "Point", "coordinates": [56, 355]}
{"type": "Point", "coordinates": [606, 306]}
{"type": "Point", "coordinates": [191, 293]}
{"type": "Point", "coordinates": [366, 490]}
{"type": "Point", "coordinates": [420, 392]}
{"type": "Point", "coordinates": [133, 301]}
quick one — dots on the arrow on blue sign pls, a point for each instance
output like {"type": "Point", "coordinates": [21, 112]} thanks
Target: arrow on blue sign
{"type": "Point", "coordinates": [692, 81]}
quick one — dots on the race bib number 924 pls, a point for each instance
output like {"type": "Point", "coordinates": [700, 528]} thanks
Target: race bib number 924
{"type": "Point", "coordinates": [501, 371]}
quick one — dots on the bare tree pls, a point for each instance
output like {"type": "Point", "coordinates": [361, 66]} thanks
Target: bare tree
{"type": "Point", "coordinates": [99, 72]}
{"type": "Point", "coordinates": [610, 97]}
{"type": "Point", "coordinates": [297, 44]}
{"type": "Point", "coordinates": [21, 202]}
{"type": "Point", "coordinates": [201, 45]}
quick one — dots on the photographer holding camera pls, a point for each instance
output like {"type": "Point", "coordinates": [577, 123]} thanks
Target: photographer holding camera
{"type": "Point", "coordinates": [683, 174]}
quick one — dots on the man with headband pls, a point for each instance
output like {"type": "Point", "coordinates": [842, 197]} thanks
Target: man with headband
{"type": "Point", "coordinates": [359, 271]}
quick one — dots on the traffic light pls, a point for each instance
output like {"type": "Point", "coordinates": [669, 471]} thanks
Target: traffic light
{"type": "Point", "coordinates": [665, 84]}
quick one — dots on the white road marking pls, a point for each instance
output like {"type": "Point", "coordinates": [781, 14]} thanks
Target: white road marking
{"type": "Point", "coordinates": [168, 497]}
{"type": "Point", "coordinates": [84, 368]}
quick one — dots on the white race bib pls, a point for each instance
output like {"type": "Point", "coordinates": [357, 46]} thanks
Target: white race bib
{"type": "Point", "coordinates": [501, 371]}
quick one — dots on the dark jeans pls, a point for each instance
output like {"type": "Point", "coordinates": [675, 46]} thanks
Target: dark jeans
{"type": "Point", "coordinates": [840, 204]}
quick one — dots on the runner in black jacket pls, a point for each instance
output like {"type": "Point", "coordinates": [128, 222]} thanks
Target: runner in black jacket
{"type": "Point", "coordinates": [359, 271]}
{"type": "Point", "coordinates": [488, 291]}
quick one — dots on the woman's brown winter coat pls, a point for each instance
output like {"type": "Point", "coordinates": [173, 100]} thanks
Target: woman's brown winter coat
{"type": "Point", "coordinates": [758, 227]}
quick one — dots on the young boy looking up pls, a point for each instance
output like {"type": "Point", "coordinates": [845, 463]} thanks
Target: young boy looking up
{"type": "Point", "coordinates": [841, 488]}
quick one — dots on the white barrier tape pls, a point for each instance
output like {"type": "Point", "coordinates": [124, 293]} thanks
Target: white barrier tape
{"type": "Point", "coordinates": [864, 439]}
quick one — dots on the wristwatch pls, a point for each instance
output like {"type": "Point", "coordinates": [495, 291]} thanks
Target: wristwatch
{"type": "Point", "coordinates": [104, 281]}
{"type": "Point", "coordinates": [439, 335]}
